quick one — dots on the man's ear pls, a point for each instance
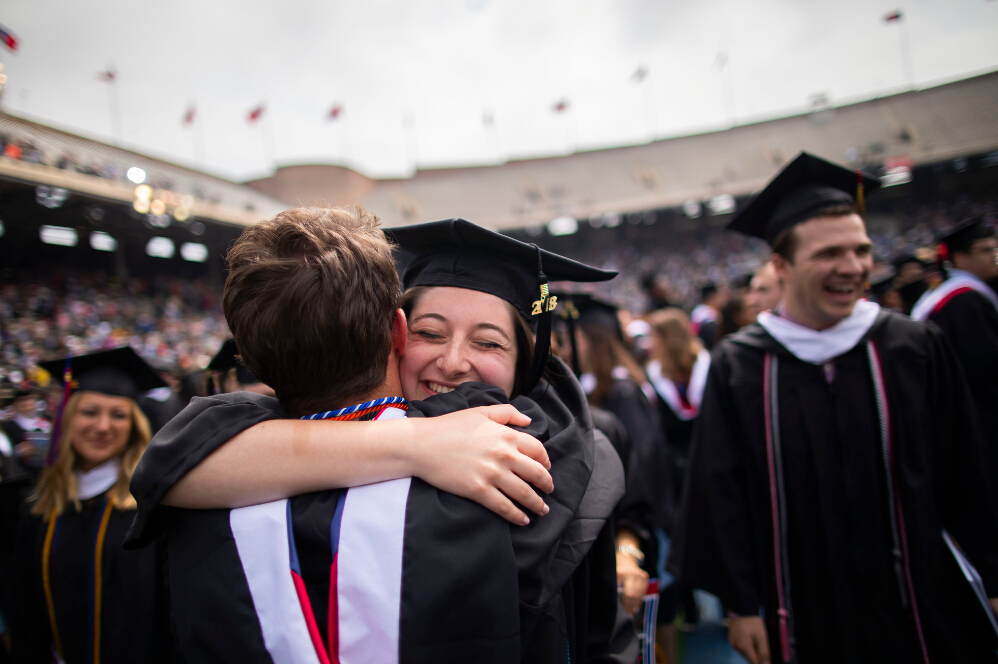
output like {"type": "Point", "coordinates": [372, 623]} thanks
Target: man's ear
{"type": "Point", "coordinates": [780, 267]}
{"type": "Point", "coordinates": [400, 332]}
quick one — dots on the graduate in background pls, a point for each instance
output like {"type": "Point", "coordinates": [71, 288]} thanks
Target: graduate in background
{"type": "Point", "coordinates": [227, 374]}
{"type": "Point", "coordinates": [966, 309]}
{"type": "Point", "coordinates": [80, 597]}
{"type": "Point", "coordinates": [836, 442]}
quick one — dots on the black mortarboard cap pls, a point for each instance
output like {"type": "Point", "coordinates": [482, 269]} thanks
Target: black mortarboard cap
{"type": "Point", "coordinates": [883, 282]}
{"type": "Point", "coordinates": [226, 359]}
{"type": "Point", "coordinates": [961, 236]}
{"type": "Point", "coordinates": [459, 254]}
{"type": "Point", "coordinates": [589, 310]}
{"type": "Point", "coordinates": [803, 188]}
{"type": "Point", "coordinates": [119, 372]}
{"type": "Point", "coordinates": [916, 256]}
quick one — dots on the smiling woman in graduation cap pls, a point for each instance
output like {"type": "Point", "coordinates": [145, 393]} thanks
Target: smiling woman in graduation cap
{"type": "Point", "coordinates": [475, 302]}
{"type": "Point", "coordinates": [81, 597]}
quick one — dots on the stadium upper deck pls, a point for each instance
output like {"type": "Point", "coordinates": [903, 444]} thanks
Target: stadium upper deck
{"type": "Point", "coordinates": [920, 127]}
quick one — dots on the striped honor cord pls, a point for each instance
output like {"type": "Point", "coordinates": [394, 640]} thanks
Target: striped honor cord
{"type": "Point", "coordinates": [361, 409]}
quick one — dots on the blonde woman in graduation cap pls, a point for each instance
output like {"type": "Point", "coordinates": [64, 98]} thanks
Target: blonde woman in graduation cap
{"type": "Point", "coordinates": [82, 598]}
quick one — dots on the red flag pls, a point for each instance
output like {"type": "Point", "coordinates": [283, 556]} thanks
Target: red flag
{"type": "Point", "coordinates": [561, 106]}
{"type": "Point", "coordinates": [335, 112]}
{"type": "Point", "coordinates": [108, 76]}
{"type": "Point", "coordinates": [8, 39]}
{"type": "Point", "coordinates": [256, 114]}
{"type": "Point", "coordinates": [190, 115]}
{"type": "Point", "coordinates": [893, 16]}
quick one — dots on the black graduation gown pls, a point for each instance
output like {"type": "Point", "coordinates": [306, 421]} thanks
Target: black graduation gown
{"type": "Point", "coordinates": [970, 323]}
{"type": "Point", "coordinates": [134, 619]}
{"type": "Point", "coordinates": [648, 480]}
{"type": "Point", "coordinates": [845, 596]}
{"type": "Point", "coordinates": [567, 586]}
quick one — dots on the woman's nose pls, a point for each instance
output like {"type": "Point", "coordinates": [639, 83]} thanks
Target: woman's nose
{"type": "Point", "coordinates": [453, 360]}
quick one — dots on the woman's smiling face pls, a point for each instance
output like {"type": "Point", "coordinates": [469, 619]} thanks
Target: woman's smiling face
{"type": "Point", "coordinates": [100, 428]}
{"type": "Point", "coordinates": [457, 335]}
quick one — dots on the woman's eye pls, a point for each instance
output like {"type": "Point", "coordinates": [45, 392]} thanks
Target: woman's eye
{"type": "Point", "coordinates": [490, 345]}
{"type": "Point", "coordinates": [429, 336]}
{"type": "Point", "coordinates": [88, 413]}
{"type": "Point", "coordinates": [120, 416]}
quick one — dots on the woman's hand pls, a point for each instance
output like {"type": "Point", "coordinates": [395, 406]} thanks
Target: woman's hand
{"type": "Point", "coordinates": [633, 580]}
{"type": "Point", "coordinates": [473, 454]}
{"type": "Point", "coordinates": [630, 576]}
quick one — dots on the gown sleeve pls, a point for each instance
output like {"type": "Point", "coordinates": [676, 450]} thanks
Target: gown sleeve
{"type": "Point", "coordinates": [713, 548]}
{"type": "Point", "coordinates": [970, 323]}
{"type": "Point", "coordinates": [965, 498]}
{"type": "Point", "coordinates": [30, 633]}
{"type": "Point", "coordinates": [202, 427]}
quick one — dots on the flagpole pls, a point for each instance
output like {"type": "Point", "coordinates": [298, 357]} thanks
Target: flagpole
{"type": "Point", "coordinates": [268, 142]}
{"type": "Point", "coordinates": [114, 108]}
{"type": "Point", "coordinates": [906, 53]}
{"type": "Point", "coordinates": [727, 87]}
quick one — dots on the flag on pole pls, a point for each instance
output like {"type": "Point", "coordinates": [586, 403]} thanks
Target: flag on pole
{"type": "Point", "coordinates": [335, 112]}
{"type": "Point", "coordinates": [893, 17]}
{"type": "Point", "coordinates": [189, 116]}
{"type": "Point", "coordinates": [110, 75]}
{"type": "Point", "coordinates": [639, 74]}
{"type": "Point", "coordinates": [561, 106]}
{"type": "Point", "coordinates": [256, 113]}
{"type": "Point", "coordinates": [8, 39]}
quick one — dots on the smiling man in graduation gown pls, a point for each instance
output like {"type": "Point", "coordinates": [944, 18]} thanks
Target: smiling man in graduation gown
{"type": "Point", "coordinates": [396, 571]}
{"type": "Point", "coordinates": [836, 442]}
{"type": "Point", "coordinates": [966, 309]}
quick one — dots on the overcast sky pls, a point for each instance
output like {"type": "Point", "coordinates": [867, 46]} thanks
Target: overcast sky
{"type": "Point", "coordinates": [457, 82]}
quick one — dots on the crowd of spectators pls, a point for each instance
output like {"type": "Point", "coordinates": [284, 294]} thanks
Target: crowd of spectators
{"type": "Point", "coordinates": [23, 148]}
{"type": "Point", "coordinates": [174, 323]}
{"type": "Point", "coordinates": [178, 324]}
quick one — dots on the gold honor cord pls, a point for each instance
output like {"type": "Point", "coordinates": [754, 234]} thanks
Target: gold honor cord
{"type": "Point", "coordinates": [46, 581]}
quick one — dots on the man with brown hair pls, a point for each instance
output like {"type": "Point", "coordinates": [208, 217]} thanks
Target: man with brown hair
{"type": "Point", "coordinates": [391, 571]}
{"type": "Point", "coordinates": [835, 444]}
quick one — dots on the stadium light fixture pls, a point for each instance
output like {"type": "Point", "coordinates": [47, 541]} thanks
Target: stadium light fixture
{"type": "Point", "coordinates": [194, 252]}
{"type": "Point", "coordinates": [160, 247]}
{"type": "Point", "coordinates": [157, 207]}
{"type": "Point", "coordinates": [563, 225]}
{"type": "Point", "coordinates": [102, 242]}
{"type": "Point", "coordinates": [197, 228]}
{"type": "Point", "coordinates": [721, 204]}
{"type": "Point", "coordinates": [136, 175]}
{"type": "Point", "coordinates": [50, 197]}
{"type": "Point", "coordinates": [181, 213]}
{"type": "Point", "coordinates": [692, 209]}
{"type": "Point", "coordinates": [596, 221]}
{"type": "Point", "coordinates": [141, 205]}
{"type": "Point", "coordinates": [612, 219]}
{"type": "Point", "coordinates": [143, 192]}
{"type": "Point", "coordinates": [58, 235]}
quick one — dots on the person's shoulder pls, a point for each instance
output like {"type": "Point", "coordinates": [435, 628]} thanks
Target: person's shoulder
{"type": "Point", "coordinates": [966, 301]}
{"type": "Point", "coordinates": [897, 334]}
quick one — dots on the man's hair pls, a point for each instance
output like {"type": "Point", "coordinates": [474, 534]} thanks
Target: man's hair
{"type": "Point", "coordinates": [707, 290]}
{"type": "Point", "coordinates": [785, 243]}
{"type": "Point", "coordinates": [310, 299]}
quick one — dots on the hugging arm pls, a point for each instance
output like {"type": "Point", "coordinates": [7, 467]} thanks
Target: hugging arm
{"type": "Point", "coordinates": [236, 450]}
